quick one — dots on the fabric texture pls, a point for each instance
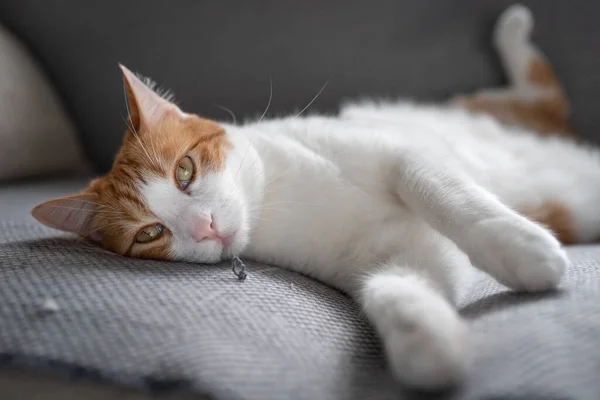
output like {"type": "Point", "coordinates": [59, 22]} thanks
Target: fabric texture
{"type": "Point", "coordinates": [36, 135]}
{"type": "Point", "coordinates": [223, 53]}
{"type": "Point", "coordinates": [75, 310]}
{"type": "Point", "coordinates": [28, 385]}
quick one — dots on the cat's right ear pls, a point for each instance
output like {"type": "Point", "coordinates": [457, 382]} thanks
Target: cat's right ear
{"type": "Point", "coordinates": [70, 214]}
{"type": "Point", "coordinates": [145, 106]}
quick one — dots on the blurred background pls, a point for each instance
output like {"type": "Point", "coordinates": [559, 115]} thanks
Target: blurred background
{"type": "Point", "coordinates": [218, 55]}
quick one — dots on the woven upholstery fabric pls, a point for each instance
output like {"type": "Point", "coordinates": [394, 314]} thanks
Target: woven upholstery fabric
{"type": "Point", "coordinates": [167, 327]}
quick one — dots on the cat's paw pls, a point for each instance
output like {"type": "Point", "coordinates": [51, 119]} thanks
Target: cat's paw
{"type": "Point", "coordinates": [518, 253]}
{"type": "Point", "coordinates": [431, 353]}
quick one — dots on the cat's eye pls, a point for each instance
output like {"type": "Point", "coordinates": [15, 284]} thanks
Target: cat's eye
{"type": "Point", "coordinates": [149, 233]}
{"type": "Point", "coordinates": [185, 172]}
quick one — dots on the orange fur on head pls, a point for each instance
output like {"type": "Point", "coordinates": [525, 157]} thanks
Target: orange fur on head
{"type": "Point", "coordinates": [111, 210]}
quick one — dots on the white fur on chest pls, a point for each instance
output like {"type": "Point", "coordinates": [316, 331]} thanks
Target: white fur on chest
{"type": "Point", "coordinates": [318, 220]}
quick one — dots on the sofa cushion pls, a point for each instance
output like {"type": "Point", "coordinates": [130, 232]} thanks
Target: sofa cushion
{"type": "Point", "coordinates": [36, 135]}
{"type": "Point", "coordinates": [75, 310]}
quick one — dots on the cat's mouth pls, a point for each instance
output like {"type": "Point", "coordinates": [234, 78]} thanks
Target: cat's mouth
{"type": "Point", "coordinates": [227, 239]}
{"type": "Point", "coordinates": [230, 244]}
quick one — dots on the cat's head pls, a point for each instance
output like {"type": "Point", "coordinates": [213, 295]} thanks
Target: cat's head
{"type": "Point", "coordinates": [176, 191]}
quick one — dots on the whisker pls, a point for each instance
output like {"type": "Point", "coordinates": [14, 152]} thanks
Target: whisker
{"type": "Point", "coordinates": [256, 158]}
{"type": "Point", "coordinates": [83, 240]}
{"type": "Point", "coordinates": [154, 152]}
{"type": "Point", "coordinates": [116, 223]}
{"type": "Point", "coordinates": [240, 167]}
{"type": "Point", "coordinates": [135, 134]}
{"type": "Point", "coordinates": [103, 212]}
{"type": "Point", "coordinates": [271, 187]}
{"type": "Point", "coordinates": [235, 181]}
{"type": "Point", "coordinates": [231, 113]}
{"type": "Point", "coordinates": [77, 208]}
{"type": "Point", "coordinates": [290, 202]}
{"type": "Point", "coordinates": [270, 98]}
{"type": "Point", "coordinates": [129, 122]}
{"type": "Point", "coordinates": [102, 205]}
{"type": "Point", "coordinates": [260, 219]}
{"type": "Point", "coordinates": [280, 175]}
{"type": "Point", "coordinates": [132, 128]}
{"type": "Point", "coordinates": [313, 100]}
{"type": "Point", "coordinates": [259, 209]}
{"type": "Point", "coordinates": [269, 206]}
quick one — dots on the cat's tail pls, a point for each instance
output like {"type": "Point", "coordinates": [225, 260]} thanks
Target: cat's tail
{"type": "Point", "coordinates": [524, 64]}
{"type": "Point", "coordinates": [534, 97]}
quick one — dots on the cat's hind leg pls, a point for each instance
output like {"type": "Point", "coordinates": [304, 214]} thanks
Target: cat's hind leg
{"type": "Point", "coordinates": [534, 98]}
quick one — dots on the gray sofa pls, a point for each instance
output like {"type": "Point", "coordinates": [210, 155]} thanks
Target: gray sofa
{"type": "Point", "coordinates": [78, 322]}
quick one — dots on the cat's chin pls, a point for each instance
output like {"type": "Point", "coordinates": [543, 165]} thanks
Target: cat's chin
{"type": "Point", "coordinates": [236, 246]}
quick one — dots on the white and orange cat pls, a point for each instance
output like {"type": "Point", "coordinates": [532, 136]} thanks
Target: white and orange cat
{"type": "Point", "coordinates": [391, 202]}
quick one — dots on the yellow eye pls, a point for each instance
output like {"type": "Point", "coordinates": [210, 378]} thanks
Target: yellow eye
{"type": "Point", "coordinates": [185, 172]}
{"type": "Point", "coordinates": [149, 233]}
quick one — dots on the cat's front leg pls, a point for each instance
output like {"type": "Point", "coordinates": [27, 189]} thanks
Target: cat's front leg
{"type": "Point", "coordinates": [516, 251]}
{"type": "Point", "coordinates": [424, 337]}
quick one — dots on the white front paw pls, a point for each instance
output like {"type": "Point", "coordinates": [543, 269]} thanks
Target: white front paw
{"type": "Point", "coordinates": [518, 253]}
{"type": "Point", "coordinates": [431, 352]}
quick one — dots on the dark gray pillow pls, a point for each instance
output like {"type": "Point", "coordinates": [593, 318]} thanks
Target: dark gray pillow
{"type": "Point", "coordinates": [223, 53]}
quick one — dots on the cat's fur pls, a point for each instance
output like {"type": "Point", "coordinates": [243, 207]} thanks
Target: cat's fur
{"type": "Point", "coordinates": [392, 202]}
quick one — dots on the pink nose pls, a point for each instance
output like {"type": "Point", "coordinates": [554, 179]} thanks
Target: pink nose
{"type": "Point", "coordinates": [203, 228]}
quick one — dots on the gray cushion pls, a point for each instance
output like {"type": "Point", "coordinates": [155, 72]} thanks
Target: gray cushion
{"type": "Point", "coordinates": [75, 310]}
{"type": "Point", "coordinates": [223, 52]}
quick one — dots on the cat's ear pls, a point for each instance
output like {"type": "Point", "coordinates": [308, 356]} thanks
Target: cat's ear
{"type": "Point", "coordinates": [145, 106]}
{"type": "Point", "coordinates": [70, 214]}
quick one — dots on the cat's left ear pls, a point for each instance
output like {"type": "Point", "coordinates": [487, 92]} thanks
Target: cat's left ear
{"type": "Point", "coordinates": [145, 106]}
{"type": "Point", "coordinates": [70, 214]}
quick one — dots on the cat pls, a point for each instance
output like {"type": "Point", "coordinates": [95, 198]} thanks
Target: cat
{"type": "Point", "coordinates": [392, 202]}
